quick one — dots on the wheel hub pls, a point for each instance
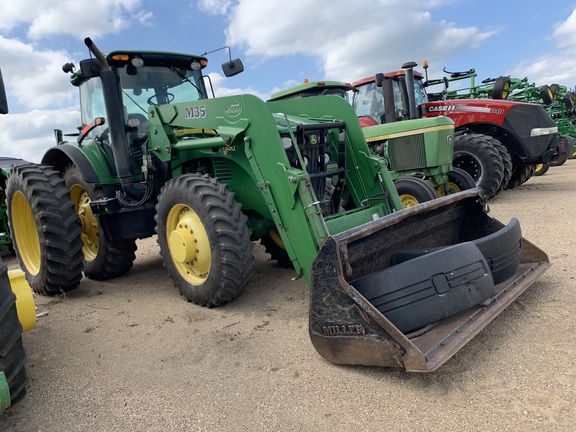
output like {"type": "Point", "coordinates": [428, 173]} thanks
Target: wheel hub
{"type": "Point", "coordinates": [408, 200]}
{"type": "Point", "coordinates": [188, 243]}
{"type": "Point", "coordinates": [183, 244]}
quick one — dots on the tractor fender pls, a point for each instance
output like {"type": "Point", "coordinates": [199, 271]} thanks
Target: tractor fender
{"type": "Point", "coordinates": [63, 155]}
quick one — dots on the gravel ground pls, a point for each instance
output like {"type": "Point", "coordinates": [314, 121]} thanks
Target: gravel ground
{"type": "Point", "coordinates": [131, 354]}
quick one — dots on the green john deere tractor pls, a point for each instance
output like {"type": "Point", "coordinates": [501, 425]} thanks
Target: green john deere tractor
{"type": "Point", "coordinates": [209, 176]}
{"type": "Point", "coordinates": [419, 152]}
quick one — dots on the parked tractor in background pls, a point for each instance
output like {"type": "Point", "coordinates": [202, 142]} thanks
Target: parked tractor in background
{"type": "Point", "coordinates": [555, 98]}
{"type": "Point", "coordinates": [17, 314]}
{"type": "Point", "coordinates": [497, 142]}
{"type": "Point", "coordinates": [209, 176]}
{"type": "Point", "coordinates": [419, 152]}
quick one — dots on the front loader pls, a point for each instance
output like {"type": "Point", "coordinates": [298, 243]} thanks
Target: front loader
{"type": "Point", "coordinates": [388, 286]}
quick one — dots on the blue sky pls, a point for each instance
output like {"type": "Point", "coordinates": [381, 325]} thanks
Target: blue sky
{"type": "Point", "coordinates": [281, 43]}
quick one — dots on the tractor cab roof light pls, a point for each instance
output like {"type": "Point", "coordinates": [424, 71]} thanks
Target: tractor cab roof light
{"type": "Point", "coordinates": [198, 64]}
{"type": "Point", "coordinates": [120, 57]}
{"type": "Point", "coordinates": [137, 62]}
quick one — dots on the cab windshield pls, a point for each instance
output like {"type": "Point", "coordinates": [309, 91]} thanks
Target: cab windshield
{"type": "Point", "coordinates": [159, 85]}
{"type": "Point", "coordinates": [141, 87]}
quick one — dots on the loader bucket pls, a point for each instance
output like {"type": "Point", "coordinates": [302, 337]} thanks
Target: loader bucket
{"type": "Point", "coordinates": [412, 288]}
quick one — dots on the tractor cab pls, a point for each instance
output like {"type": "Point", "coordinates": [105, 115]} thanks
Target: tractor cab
{"type": "Point", "coordinates": [143, 79]}
{"type": "Point", "coordinates": [117, 90]}
{"type": "Point", "coordinates": [370, 101]}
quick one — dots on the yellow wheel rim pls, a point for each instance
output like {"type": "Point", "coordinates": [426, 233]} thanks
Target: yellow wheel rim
{"type": "Point", "coordinates": [408, 200]}
{"type": "Point", "coordinates": [450, 186]}
{"type": "Point", "coordinates": [90, 236]}
{"type": "Point", "coordinates": [25, 233]}
{"type": "Point", "coordinates": [538, 167]}
{"type": "Point", "coordinates": [188, 244]}
{"type": "Point", "coordinates": [505, 91]}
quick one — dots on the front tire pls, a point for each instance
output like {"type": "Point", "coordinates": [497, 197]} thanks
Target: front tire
{"type": "Point", "coordinates": [103, 258]}
{"type": "Point", "coordinates": [414, 191]}
{"type": "Point", "coordinates": [458, 180]}
{"type": "Point", "coordinates": [478, 156]}
{"type": "Point", "coordinates": [45, 228]}
{"type": "Point", "coordinates": [204, 239]}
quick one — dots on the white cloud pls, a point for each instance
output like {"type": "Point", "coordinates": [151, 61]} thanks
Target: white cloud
{"type": "Point", "coordinates": [215, 7]}
{"type": "Point", "coordinates": [559, 65]}
{"type": "Point", "coordinates": [27, 136]}
{"type": "Point", "coordinates": [349, 40]}
{"type": "Point", "coordinates": [565, 33]}
{"type": "Point", "coordinates": [220, 90]}
{"type": "Point", "coordinates": [71, 17]}
{"type": "Point", "coordinates": [34, 79]}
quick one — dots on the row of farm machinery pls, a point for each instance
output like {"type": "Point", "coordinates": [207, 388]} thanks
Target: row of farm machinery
{"type": "Point", "coordinates": [375, 192]}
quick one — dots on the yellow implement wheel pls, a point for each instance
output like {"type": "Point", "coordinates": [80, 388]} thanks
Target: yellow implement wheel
{"type": "Point", "coordinates": [12, 355]}
{"type": "Point", "coordinates": [88, 221]}
{"type": "Point", "coordinates": [458, 180]}
{"type": "Point", "coordinates": [188, 244]}
{"type": "Point", "coordinates": [204, 239]}
{"type": "Point", "coordinates": [413, 191]}
{"type": "Point", "coordinates": [24, 233]}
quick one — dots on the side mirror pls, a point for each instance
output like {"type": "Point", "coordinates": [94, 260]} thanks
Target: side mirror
{"type": "Point", "coordinates": [232, 67]}
{"type": "Point", "coordinates": [379, 77]}
{"type": "Point", "coordinates": [3, 100]}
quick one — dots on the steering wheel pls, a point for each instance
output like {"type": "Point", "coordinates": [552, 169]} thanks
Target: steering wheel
{"type": "Point", "coordinates": [169, 98]}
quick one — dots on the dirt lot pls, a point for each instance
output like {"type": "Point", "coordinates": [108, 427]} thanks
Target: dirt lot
{"type": "Point", "coordinates": [131, 354]}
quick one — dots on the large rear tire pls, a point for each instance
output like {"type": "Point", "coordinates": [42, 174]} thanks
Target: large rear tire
{"type": "Point", "coordinates": [458, 180]}
{"type": "Point", "coordinates": [414, 191]}
{"type": "Point", "coordinates": [479, 156]}
{"type": "Point", "coordinates": [12, 354]}
{"type": "Point", "coordinates": [45, 228]}
{"type": "Point", "coordinates": [204, 239]}
{"type": "Point", "coordinates": [103, 258]}
{"type": "Point", "coordinates": [521, 174]}
{"type": "Point", "coordinates": [507, 164]}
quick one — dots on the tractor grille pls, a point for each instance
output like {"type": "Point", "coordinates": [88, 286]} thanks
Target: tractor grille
{"type": "Point", "coordinates": [407, 152]}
